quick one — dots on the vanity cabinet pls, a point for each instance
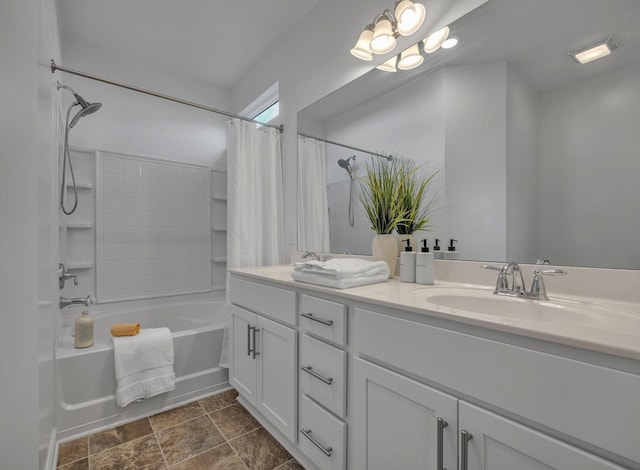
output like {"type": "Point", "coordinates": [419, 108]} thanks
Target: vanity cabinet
{"type": "Point", "coordinates": [264, 355]}
{"type": "Point", "coordinates": [400, 423]}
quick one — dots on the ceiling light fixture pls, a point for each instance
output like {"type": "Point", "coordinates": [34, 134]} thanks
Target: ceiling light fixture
{"type": "Point", "coordinates": [433, 42]}
{"type": "Point", "coordinates": [449, 43]}
{"type": "Point", "coordinates": [410, 58]}
{"type": "Point", "coordinates": [595, 51]}
{"type": "Point", "coordinates": [379, 37]}
{"type": "Point", "coordinates": [389, 65]}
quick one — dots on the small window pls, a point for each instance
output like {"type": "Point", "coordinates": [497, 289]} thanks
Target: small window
{"type": "Point", "coordinates": [268, 114]}
{"type": "Point", "coordinates": [266, 107]}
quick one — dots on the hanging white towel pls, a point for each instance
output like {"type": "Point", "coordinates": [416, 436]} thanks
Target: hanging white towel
{"type": "Point", "coordinates": [143, 365]}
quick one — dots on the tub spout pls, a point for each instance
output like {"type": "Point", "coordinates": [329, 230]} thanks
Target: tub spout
{"type": "Point", "coordinates": [66, 302]}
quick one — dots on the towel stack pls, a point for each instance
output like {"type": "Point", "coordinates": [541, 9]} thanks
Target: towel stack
{"type": "Point", "coordinates": [341, 273]}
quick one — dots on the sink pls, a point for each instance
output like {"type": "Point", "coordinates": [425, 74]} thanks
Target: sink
{"type": "Point", "coordinates": [510, 309]}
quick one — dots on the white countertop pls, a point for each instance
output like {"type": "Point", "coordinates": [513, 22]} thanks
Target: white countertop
{"type": "Point", "coordinates": [619, 335]}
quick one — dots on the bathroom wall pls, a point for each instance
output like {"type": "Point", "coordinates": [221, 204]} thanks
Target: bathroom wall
{"type": "Point", "coordinates": [19, 240]}
{"type": "Point", "coordinates": [571, 154]}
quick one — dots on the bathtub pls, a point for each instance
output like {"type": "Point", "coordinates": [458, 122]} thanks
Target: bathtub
{"type": "Point", "coordinates": [85, 378]}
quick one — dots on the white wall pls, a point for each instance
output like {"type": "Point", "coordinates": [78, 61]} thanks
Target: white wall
{"type": "Point", "coordinates": [571, 153]}
{"type": "Point", "coordinates": [19, 410]}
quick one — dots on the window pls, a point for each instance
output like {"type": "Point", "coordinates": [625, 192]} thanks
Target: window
{"type": "Point", "coordinates": [268, 114]}
{"type": "Point", "coordinates": [266, 107]}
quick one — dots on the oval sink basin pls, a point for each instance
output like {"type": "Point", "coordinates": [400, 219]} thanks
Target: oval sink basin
{"type": "Point", "coordinates": [485, 302]}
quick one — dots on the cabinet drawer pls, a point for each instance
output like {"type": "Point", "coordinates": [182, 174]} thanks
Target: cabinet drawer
{"type": "Point", "coordinates": [321, 363]}
{"type": "Point", "coordinates": [324, 318]}
{"type": "Point", "coordinates": [279, 304]}
{"type": "Point", "coordinates": [592, 403]}
{"type": "Point", "coordinates": [323, 437]}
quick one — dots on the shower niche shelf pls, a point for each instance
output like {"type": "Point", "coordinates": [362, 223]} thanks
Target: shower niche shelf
{"type": "Point", "coordinates": [80, 185]}
{"type": "Point", "coordinates": [219, 259]}
{"type": "Point", "coordinates": [79, 225]}
{"type": "Point", "coordinates": [219, 197]}
{"type": "Point", "coordinates": [218, 229]}
{"type": "Point", "coordinates": [79, 265]}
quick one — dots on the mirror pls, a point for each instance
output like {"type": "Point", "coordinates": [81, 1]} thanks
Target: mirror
{"type": "Point", "coordinates": [540, 154]}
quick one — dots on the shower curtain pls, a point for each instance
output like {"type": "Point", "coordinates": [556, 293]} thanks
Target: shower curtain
{"type": "Point", "coordinates": [313, 205]}
{"type": "Point", "coordinates": [255, 203]}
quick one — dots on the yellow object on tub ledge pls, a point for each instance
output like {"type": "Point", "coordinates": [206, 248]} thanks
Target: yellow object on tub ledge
{"type": "Point", "coordinates": [125, 329]}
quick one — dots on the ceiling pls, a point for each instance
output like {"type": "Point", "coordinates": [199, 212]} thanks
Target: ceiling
{"type": "Point", "coordinates": [210, 41]}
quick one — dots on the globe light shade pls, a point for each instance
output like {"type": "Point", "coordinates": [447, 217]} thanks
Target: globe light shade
{"type": "Point", "coordinates": [383, 40]}
{"type": "Point", "coordinates": [410, 16]}
{"type": "Point", "coordinates": [410, 58]}
{"type": "Point", "coordinates": [362, 49]}
{"type": "Point", "coordinates": [433, 42]}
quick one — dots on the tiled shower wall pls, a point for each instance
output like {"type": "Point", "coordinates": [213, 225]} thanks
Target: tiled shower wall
{"type": "Point", "coordinates": [190, 204]}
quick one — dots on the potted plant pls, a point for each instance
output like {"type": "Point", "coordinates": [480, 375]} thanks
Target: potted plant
{"type": "Point", "coordinates": [412, 194]}
{"type": "Point", "coordinates": [382, 204]}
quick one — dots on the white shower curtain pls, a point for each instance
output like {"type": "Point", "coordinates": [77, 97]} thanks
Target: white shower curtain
{"type": "Point", "coordinates": [255, 204]}
{"type": "Point", "coordinates": [313, 205]}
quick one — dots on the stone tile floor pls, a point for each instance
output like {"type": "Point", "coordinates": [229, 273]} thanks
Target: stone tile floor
{"type": "Point", "coordinates": [211, 434]}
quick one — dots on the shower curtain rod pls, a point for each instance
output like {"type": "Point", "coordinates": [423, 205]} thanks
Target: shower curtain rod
{"type": "Point", "coordinates": [55, 67]}
{"type": "Point", "coordinates": [388, 157]}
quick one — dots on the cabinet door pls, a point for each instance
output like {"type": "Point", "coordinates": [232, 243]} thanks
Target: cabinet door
{"type": "Point", "coordinates": [395, 422]}
{"type": "Point", "coordinates": [276, 392]}
{"type": "Point", "coordinates": [498, 443]}
{"type": "Point", "coordinates": [243, 364]}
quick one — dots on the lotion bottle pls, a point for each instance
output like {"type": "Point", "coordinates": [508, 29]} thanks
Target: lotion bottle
{"type": "Point", "coordinates": [424, 265]}
{"type": "Point", "coordinates": [407, 263]}
{"type": "Point", "coordinates": [437, 254]}
{"type": "Point", "coordinates": [451, 252]}
{"type": "Point", "coordinates": [84, 330]}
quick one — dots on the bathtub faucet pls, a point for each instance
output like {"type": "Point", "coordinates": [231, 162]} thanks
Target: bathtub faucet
{"type": "Point", "coordinates": [66, 302]}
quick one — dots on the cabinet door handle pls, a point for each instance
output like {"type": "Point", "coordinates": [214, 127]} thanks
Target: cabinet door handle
{"type": "Point", "coordinates": [255, 353]}
{"type": "Point", "coordinates": [325, 450]}
{"type": "Point", "coordinates": [312, 372]}
{"type": "Point", "coordinates": [319, 320]}
{"type": "Point", "coordinates": [465, 437]}
{"type": "Point", "coordinates": [441, 423]}
{"type": "Point", "coordinates": [249, 327]}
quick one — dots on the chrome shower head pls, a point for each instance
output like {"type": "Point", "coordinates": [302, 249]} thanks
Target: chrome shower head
{"type": "Point", "coordinates": [86, 107]}
{"type": "Point", "coordinates": [342, 163]}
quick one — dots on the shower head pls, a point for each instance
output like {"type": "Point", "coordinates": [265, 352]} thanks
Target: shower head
{"type": "Point", "coordinates": [87, 108]}
{"type": "Point", "coordinates": [342, 163]}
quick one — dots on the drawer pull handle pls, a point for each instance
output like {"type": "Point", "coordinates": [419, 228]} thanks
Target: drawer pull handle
{"type": "Point", "coordinates": [312, 372]}
{"type": "Point", "coordinates": [319, 320]}
{"type": "Point", "coordinates": [441, 423]}
{"type": "Point", "coordinates": [249, 328]}
{"type": "Point", "coordinates": [325, 450]}
{"type": "Point", "coordinates": [464, 449]}
{"type": "Point", "coordinates": [255, 353]}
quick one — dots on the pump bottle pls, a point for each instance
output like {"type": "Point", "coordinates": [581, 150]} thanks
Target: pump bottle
{"type": "Point", "coordinates": [437, 254]}
{"type": "Point", "coordinates": [451, 252]}
{"type": "Point", "coordinates": [407, 263]}
{"type": "Point", "coordinates": [424, 265]}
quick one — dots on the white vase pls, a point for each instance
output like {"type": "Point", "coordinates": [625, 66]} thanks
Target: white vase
{"type": "Point", "coordinates": [384, 247]}
{"type": "Point", "coordinates": [413, 242]}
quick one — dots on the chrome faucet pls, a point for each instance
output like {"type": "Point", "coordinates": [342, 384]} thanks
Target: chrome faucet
{"type": "Point", "coordinates": [66, 302]}
{"type": "Point", "coordinates": [511, 282]}
{"type": "Point", "coordinates": [63, 275]}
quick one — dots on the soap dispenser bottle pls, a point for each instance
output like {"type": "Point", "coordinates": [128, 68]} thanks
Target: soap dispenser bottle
{"type": "Point", "coordinates": [437, 254]}
{"type": "Point", "coordinates": [424, 265]}
{"type": "Point", "coordinates": [84, 330]}
{"type": "Point", "coordinates": [407, 263]}
{"type": "Point", "coordinates": [451, 252]}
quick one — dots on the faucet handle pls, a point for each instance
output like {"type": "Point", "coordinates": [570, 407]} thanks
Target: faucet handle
{"type": "Point", "coordinates": [488, 266]}
{"type": "Point", "coordinates": [538, 290]}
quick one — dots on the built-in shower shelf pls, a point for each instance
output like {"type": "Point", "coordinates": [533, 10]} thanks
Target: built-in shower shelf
{"type": "Point", "coordinates": [219, 228]}
{"type": "Point", "coordinates": [219, 197]}
{"type": "Point", "coordinates": [81, 185]}
{"type": "Point", "coordinates": [219, 259]}
{"type": "Point", "coordinates": [78, 265]}
{"type": "Point", "coordinates": [79, 225]}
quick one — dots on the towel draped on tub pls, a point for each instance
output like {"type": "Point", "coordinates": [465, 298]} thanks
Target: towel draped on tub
{"type": "Point", "coordinates": [143, 365]}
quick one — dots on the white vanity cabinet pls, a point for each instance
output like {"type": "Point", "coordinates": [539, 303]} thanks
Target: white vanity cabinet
{"type": "Point", "coordinates": [264, 352]}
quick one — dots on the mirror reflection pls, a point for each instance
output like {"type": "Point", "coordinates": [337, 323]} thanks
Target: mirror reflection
{"type": "Point", "coordinates": [539, 152]}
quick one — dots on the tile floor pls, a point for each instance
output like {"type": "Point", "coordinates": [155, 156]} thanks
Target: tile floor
{"type": "Point", "coordinates": [211, 434]}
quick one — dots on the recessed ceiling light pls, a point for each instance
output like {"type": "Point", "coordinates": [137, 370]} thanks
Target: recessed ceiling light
{"type": "Point", "coordinates": [595, 51]}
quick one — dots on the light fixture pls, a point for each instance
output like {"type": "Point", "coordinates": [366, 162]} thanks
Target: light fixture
{"type": "Point", "coordinates": [595, 51]}
{"type": "Point", "coordinates": [384, 39]}
{"type": "Point", "coordinates": [389, 65]}
{"type": "Point", "coordinates": [410, 58]}
{"type": "Point", "coordinates": [409, 16]}
{"type": "Point", "coordinates": [362, 49]}
{"type": "Point", "coordinates": [449, 43]}
{"type": "Point", "coordinates": [379, 37]}
{"type": "Point", "coordinates": [433, 42]}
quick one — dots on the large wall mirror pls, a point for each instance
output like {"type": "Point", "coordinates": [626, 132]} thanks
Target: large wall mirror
{"type": "Point", "coordinates": [540, 154]}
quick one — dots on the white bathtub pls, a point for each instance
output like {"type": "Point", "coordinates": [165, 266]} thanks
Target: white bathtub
{"type": "Point", "coordinates": [85, 378]}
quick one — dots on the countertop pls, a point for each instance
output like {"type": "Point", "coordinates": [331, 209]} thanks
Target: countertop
{"type": "Point", "coordinates": [619, 335]}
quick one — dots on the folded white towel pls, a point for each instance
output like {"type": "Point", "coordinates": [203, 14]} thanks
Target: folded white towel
{"type": "Point", "coordinates": [345, 283]}
{"type": "Point", "coordinates": [144, 365]}
{"type": "Point", "coordinates": [344, 268]}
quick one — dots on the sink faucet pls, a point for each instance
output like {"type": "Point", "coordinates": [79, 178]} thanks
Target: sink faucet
{"type": "Point", "coordinates": [511, 282]}
{"type": "Point", "coordinates": [66, 302]}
